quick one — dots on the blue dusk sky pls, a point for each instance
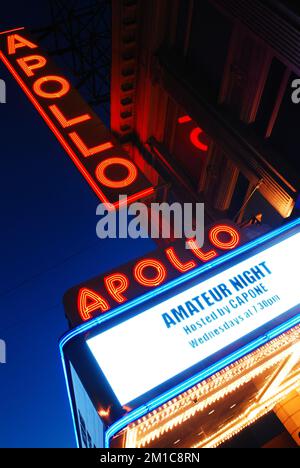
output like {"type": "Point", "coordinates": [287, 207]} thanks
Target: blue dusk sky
{"type": "Point", "coordinates": [48, 244]}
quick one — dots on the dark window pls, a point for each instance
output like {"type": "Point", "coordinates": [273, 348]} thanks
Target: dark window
{"type": "Point", "coordinates": [182, 19]}
{"type": "Point", "coordinates": [269, 96]}
{"type": "Point", "coordinates": [85, 436]}
{"type": "Point", "coordinates": [258, 434]}
{"type": "Point", "coordinates": [290, 4]}
{"type": "Point", "coordinates": [286, 136]}
{"type": "Point", "coordinates": [259, 205]}
{"type": "Point", "coordinates": [209, 41]}
{"type": "Point", "coordinates": [90, 445]}
{"type": "Point", "coordinates": [239, 195]}
{"type": "Point", "coordinates": [83, 430]}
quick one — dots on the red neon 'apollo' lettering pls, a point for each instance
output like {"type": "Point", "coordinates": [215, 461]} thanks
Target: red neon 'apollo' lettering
{"type": "Point", "coordinates": [177, 263]}
{"type": "Point", "coordinates": [89, 301]}
{"type": "Point", "coordinates": [63, 83]}
{"type": "Point", "coordinates": [195, 134]}
{"type": "Point", "coordinates": [203, 256]}
{"type": "Point", "coordinates": [125, 182]}
{"type": "Point", "coordinates": [159, 278]}
{"type": "Point", "coordinates": [50, 86]}
{"type": "Point", "coordinates": [64, 122]}
{"type": "Point", "coordinates": [27, 66]}
{"type": "Point", "coordinates": [214, 237]}
{"type": "Point", "coordinates": [184, 119]}
{"type": "Point", "coordinates": [15, 41]}
{"type": "Point", "coordinates": [85, 151]}
{"type": "Point", "coordinates": [116, 284]}
{"type": "Point", "coordinates": [194, 137]}
{"type": "Point", "coordinates": [223, 237]}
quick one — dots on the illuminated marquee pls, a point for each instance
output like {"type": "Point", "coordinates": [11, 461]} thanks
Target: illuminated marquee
{"type": "Point", "coordinates": [105, 292]}
{"type": "Point", "coordinates": [161, 363]}
{"type": "Point", "coordinates": [95, 152]}
{"type": "Point", "coordinates": [192, 324]}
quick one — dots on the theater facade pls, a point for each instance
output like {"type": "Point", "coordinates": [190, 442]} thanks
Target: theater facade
{"type": "Point", "coordinates": [185, 348]}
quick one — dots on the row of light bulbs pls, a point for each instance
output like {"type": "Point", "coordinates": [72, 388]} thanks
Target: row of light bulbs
{"type": "Point", "coordinates": [154, 421]}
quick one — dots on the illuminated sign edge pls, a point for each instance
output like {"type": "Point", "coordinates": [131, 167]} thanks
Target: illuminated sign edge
{"type": "Point", "coordinates": [179, 280]}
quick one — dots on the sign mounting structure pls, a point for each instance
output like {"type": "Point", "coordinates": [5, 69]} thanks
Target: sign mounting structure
{"type": "Point", "coordinates": [95, 152]}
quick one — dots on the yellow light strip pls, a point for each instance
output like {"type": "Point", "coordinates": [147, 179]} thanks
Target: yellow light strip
{"type": "Point", "coordinates": [282, 373]}
{"type": "Point", "coordinates": [255, 412]}
{"type": "Point", "coordinates": [201, 406]}
{"type": "Point", "coordinates": [154, 425]}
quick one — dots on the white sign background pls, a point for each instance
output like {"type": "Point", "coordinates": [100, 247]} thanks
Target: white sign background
{"type": "Point", "coordinates": [141, 353]}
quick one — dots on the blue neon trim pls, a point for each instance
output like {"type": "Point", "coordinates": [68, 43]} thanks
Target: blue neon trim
{"type": "Point", "coordinates": [69, 397]}
{"type": "Point", "coordinates": [181, 279]}
{"type": "Point", "coordinates": [160, 400]}
{"type": "Point", "coordinates": [132, 416]}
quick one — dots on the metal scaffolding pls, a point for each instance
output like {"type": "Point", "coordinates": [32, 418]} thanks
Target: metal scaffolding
{"type": "Point", "coordinates": [80, 36]}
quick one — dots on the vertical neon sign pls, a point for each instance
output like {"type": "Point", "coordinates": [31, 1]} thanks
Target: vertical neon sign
{"type": "Point", "coordinates": [96, 153]}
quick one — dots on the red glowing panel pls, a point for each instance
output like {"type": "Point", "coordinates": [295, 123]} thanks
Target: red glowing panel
{"type": "Point", "coordinates": [218, 231]}
{"type": "Point", "coordinates": [116, 285]}
{"type": "Point", "coordinates": [89, 301]}
{"type": "Point", "coordinates": [177, 263]}
{"type": "Point", "coordinates": [143, 279]}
